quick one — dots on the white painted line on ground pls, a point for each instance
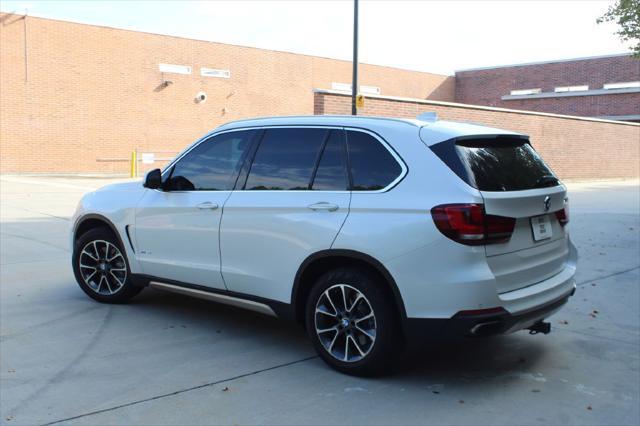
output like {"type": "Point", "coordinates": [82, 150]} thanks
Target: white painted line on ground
{"type": "Point", "coordinates": [47, 183]}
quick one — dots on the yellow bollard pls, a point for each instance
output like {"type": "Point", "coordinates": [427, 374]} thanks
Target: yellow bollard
{"type": "Point", "coordinates": [134, 164]}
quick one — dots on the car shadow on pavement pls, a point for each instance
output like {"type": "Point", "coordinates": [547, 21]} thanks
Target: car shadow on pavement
{"type": "Point", "coordinates": [474, 357]}
{"type": "Point", "coordinates": [493, 356]}
{"type": "Point", "coordinates": [206, 316]}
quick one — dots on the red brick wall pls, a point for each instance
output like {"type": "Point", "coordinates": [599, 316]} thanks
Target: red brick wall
{"type": "Point", "coordinates": [575, 148]}
{"type": "Point", "coordinates": [93, 93]}
{"type": "Point", "coordinates": [486, 87]}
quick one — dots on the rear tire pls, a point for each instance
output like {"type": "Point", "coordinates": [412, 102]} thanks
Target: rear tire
{"type": "Point", "coordinates": [101, 267]}
{"type": "Point", "coordinates": [352, 322]}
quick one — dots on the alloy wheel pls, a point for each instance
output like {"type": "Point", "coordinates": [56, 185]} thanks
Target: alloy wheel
{"type": "Point", "coordinates": [345, 323]}
{"type": "Point", "coordinates": [102, 267]}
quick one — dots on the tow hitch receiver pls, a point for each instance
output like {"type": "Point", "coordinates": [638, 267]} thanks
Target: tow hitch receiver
{"type": "Point", "coordinates": [540, 327]}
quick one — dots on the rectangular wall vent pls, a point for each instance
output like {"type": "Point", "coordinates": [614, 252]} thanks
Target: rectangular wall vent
{"type": "Point", "coordinates": [211, 72]}
{"type": "Point", "coordinates": [342, 87]}
{"type": "Point", "coordinates": [525, 92]}
{"type": "Point", "coordinates": [625, 85]}
{"type": "Point", "coordinates": [369, 90]}
{"type": "Point", "coordinates": [561, 89]}
{"type": "Point", "coordinates": [346, 87]}
{"type": "Point", "coordinates": [175, 69]}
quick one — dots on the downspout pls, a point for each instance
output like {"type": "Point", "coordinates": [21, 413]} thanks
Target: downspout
{"type": "Point", "coordinates": [26, 56]}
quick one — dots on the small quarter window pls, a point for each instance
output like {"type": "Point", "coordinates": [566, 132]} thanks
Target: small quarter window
{"type": "Point", "coordinates": [372, 165]}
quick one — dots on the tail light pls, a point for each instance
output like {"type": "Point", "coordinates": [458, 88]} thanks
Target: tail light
{"type": "Point", "coordinates": [468, 224]}
{"type": "Point", "coordinates": [563, 215]}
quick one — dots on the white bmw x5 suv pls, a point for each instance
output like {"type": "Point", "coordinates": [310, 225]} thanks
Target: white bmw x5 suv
{"type": "Point", "coordinates": [371, 232]}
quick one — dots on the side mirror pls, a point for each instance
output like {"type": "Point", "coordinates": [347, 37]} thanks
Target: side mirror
{"type": "Point", "coordinates": [153, 179]}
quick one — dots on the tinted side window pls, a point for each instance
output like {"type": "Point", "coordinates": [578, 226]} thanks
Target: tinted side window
{"type": "Point", "coordinates": [332, 171]}
{"type": "Point", "coordinates": [213, 165]}
{"type": "Point", "coordinates": [372, 165]}
{"type": "Point", "coordinates": [285, 159]}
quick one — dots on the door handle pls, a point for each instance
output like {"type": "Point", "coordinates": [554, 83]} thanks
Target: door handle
{"type": "Point", "coordinates": [207, 205]}
{"type": "Point", "coordinates": [323, 206]}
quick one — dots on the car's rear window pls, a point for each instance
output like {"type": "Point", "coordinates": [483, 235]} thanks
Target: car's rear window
{"type": "Point", "coordinates": [496, 163]}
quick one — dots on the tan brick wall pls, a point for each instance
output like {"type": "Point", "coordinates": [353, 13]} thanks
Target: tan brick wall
{"type": "Point", "coordinates": [575, 148]}
{"type": "Point", "coordinates": [93, 93]}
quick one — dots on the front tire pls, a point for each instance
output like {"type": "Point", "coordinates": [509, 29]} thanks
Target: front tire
{"type": "Point", "coordinates": [101, 268]}
{"type": "Point", "coordinates": [352, 323]}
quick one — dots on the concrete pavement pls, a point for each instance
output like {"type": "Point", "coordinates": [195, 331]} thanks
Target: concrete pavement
{"type": "Point", "coordinates": [168, 359]}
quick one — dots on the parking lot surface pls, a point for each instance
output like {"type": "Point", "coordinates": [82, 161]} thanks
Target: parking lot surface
{"type": "Point", "coordinates": [169, 359]}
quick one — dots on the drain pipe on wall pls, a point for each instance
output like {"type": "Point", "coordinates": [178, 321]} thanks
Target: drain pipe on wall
{"type": "Point", "coordinates": [26, 56]}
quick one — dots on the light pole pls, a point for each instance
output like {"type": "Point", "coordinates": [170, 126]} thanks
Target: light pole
{"type": "Point", "coordinates": [354, 80]}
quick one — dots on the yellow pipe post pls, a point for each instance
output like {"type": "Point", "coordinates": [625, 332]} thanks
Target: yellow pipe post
{"type": "Point", "coordinates": [134, 164]}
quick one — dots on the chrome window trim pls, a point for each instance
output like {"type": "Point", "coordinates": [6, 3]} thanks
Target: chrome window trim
{"type": "Point", "coordinates": [214, 133]}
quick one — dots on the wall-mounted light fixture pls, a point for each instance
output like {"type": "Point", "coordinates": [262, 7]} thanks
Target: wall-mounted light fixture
{"type": "Point", "coordinates": [201, 97]}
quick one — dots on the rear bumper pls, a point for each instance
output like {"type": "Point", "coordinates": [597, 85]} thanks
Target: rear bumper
{"type": "Point", "coordinates": [483, 324]}
{"type": "Point", "coordinates": [491, 324]}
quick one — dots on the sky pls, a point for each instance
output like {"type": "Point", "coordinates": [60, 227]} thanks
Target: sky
{"type": "Point", "coordinates": [431, 36]}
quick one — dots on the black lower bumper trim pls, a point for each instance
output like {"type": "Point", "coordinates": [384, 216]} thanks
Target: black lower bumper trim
{"type": "Point", "coordinates": [480, 325]}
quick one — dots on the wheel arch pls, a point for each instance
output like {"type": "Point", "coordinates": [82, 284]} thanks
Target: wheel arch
{"type": "Point", "coordinates": [314, 265]}
{"type": "Point", "coordinates": [92, 221]}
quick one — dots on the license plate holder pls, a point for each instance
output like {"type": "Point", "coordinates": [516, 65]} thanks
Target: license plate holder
{"type": "Point", "coordinates": [541, 227]}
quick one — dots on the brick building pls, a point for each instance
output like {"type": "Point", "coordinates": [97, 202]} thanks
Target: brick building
{"type": "Point", "coordinates": [78, 98]}
{"type": "Point", "coordinates": [603, 87]}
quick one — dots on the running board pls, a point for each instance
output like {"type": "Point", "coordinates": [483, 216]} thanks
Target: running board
{"type": "Point", "coordinates": [216, 297]}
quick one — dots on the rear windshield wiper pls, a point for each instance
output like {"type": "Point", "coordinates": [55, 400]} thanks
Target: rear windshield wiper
{"type": "Point", "coordinates": [546, 180]}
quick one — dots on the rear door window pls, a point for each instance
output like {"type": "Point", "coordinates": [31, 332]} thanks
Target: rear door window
{"type": "Point", "coordinates": [286, 159]}
{"type": "Point", "coordinates": [372, 165]}
{"type": "Point", "coordinates": [499, 163]}
{"type": "Point", "coordinates": [332, 168]}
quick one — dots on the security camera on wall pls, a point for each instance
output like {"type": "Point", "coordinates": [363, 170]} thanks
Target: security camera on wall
{"type": "Point", "coordinates": [201, 97]}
